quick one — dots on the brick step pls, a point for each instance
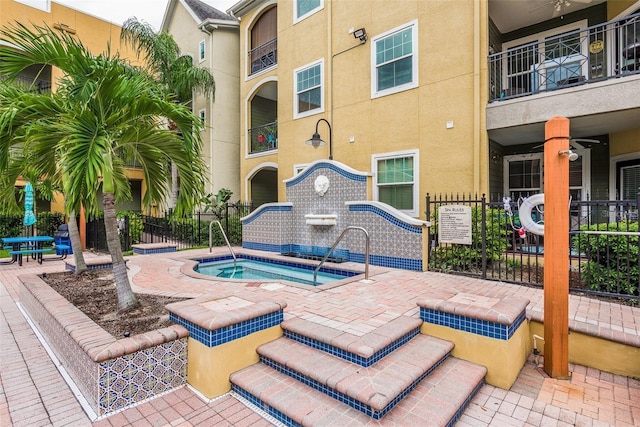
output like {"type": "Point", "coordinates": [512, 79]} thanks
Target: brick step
{"type": "Point", "coordinates": [439, 400]}
{"type": "Point", "coordinates": [363, 350]}
{"type": "Point", "coordinates": [375, 389]}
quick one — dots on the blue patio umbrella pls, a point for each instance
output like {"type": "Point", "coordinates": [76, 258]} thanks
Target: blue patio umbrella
{"type": "Point", "coordinates": [29, 216]}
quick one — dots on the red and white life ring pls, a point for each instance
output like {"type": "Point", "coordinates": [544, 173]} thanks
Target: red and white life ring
{"type": "Point", "coordinates": [527, 222]}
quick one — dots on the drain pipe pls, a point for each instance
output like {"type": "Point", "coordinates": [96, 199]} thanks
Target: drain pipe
{"type": "Point", "coordinates": [536, 352]}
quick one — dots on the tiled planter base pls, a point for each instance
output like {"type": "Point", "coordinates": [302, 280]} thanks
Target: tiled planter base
{"type": "Point", "coordinates": [111, 374]}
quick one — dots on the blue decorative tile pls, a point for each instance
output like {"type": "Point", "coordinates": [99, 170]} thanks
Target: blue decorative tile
{"type": "Point", "coordinates": [264, 210]}
{"type": "Point", "coordinates": [388, 217]}
{"type": "Point", "coordinates": [476, 326]}
{"type": "Point", "coordinates": [212, 338]}
{"type": "Point", "coordinates": [344, 398]}
{"type": "Point", "coordinates": [322, 165]}
{"type": "Point", "coordinates": [349, 356]}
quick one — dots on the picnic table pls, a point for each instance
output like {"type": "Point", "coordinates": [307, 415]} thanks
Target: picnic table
{"type": "Point", "coordinates": [26, 245]}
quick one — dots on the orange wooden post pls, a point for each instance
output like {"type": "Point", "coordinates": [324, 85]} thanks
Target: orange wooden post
{"type": "Point", "coordinates": [556, 248]}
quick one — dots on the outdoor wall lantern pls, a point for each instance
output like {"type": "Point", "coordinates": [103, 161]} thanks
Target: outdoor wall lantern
{"type": "Point", "coordinates": [316, 141]}
{"type": "Point", "coordinates": [573, 156]}
{"type": "Point", "coordinates": [361, 34]}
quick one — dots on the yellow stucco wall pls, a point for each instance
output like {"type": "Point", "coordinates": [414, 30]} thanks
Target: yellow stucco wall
{"type": "Point", "coordinates": [624, 142]}
{"type": "Point", "coordinates": [209, 368]}
{"type": "Point", "coordinates": [586, 350]}
{"type": "Point", "coordinates": [616, 7]}
{"type": "Point", "coordinates": [448, 90]}
{"type": "Point", "coordinates": [503, 359]}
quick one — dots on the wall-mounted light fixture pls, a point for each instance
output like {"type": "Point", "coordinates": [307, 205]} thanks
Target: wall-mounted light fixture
{"type": "Point", "coordinates": [64, 28]}
{"type": "Point", "coordinates": [361, 34]}
{"type": "Point", "coordinates": [572, 155]}
{"type": "Point", "coordinates": [316, 141]}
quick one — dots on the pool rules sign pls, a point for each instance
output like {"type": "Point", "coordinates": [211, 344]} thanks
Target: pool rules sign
{"type": "Point", "coordinates": [454, 224]}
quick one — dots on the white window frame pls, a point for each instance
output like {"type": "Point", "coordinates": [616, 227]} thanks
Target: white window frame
{"type": "Point", "coordinates": [521, 157]}
{"type": "Point", "coordinates": [375, 93]}
{"type": "Point", "coordinates": [297, 18]}
{"type": "Point", "coordinates": [202, 50]}
{"type": "Point", "coordinates": [44, 5]}
{"type": "Point", "coordinates": [203, 115]}
{"type": "Point", "coordinates": [416, 176]}
{"type": "Point", "coordinates": [296, 113]}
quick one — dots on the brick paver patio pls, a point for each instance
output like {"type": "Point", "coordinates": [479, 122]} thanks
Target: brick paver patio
{"type": "Point", "coordinates": [34, 393]}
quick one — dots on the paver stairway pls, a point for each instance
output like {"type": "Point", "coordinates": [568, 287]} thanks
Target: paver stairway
{"type": "Point", "coordinates": [316, 375]}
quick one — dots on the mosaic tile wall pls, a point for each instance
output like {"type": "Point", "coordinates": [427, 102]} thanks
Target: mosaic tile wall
{"type": "Point", "coordinates": [268, 228]}
{"type": "Point", "coordinates": [393, 242]}
{"type": "Point", "coordinates": [135, 377]}
{"type": "Point", "coordinates": [114, 384]}
{"type": "Point", "coordinates": [79, 366]}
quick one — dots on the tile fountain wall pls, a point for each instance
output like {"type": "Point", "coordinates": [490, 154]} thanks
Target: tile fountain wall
{"type": "Point", "coordinates": [322, 201]}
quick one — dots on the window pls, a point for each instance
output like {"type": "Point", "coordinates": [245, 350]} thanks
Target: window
{"type": "Point", "coordinates": [523, 174]}
{"type": "Point", "coordinates": [202, 114]}
{"type": "Point", "coordinates": [309, 96]}
{"type": "Point", "coordinates": [394, 61]}
{"type": "Point", "coordinates": [201, 51]}
{"type": "Point", "coordinates": [396, 183]}
{"type": "Point", "coordinates": [305, 8]}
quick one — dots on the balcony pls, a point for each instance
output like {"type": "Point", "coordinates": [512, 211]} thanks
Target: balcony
{"type": "Point", "coordinates": [263, 57]}
{"type": "Point", "coordinates": [264, 138]}
{"type": "Point", "coordinates": [590, 75]}
{"type": "Point", "coordinates": [584, 56]}
{"type": "Point", "coordinates": [38, 86]}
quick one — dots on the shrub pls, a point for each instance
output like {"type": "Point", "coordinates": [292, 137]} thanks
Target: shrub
{"type": "Point", "coordinates": [613, 259]}
{"type": "Point", "coordinates": [466, 257]}
{"type": "Point", "coordinates": [135, 226]}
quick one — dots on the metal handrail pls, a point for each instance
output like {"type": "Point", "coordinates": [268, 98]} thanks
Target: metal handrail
{"type": "Point", "coordinates": [233, 254]}
{"type": "Point", "coordinates": [366, 256]}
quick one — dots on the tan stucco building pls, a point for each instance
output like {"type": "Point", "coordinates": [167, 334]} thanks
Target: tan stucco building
{"type": "Point", "coordinates": [211, 38]}
{"type": "Point", "coordinates": [438, 96]}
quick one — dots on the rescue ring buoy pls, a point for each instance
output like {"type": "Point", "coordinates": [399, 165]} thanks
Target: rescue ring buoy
{"type": "Point", "coordinates": [527, 222]}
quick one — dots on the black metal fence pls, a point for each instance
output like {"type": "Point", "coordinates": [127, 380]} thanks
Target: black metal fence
{"type": "Point", "coordinates": [185, 232]}
{"type": "Point", "coordinates": [603, 255]}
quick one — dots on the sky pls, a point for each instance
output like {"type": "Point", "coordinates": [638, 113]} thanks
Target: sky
{"type": "Point", "coordinates": [117, 11]}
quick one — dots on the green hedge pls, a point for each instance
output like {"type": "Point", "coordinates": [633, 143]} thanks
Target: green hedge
{"type": "Point", "coordinates": [466, 257]}
{"type": "Point", "coordinates": [46, 225]}
{"type": "Point", "coordinates": [613, 259]}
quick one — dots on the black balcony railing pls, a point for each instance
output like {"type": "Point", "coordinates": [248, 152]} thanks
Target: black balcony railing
{"type": "Point", "coordinates": [263, 56]}
{"type": "Point", "coordinates": [39, 86]}
{"type": "Point", "coordinates": [577, 57]}
{"type": "Point", "coordinates": [263, 138]}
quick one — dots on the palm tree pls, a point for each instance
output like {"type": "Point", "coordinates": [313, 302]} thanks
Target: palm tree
{"type": "Point", "coordinates": [103, 115]}
{"type": "Point", "coordinates": [21, 162]}
{"type": "Point", "coordinates": [172, 69]}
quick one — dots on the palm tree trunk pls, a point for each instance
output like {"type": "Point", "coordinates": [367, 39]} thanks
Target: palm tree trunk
{"type": "Point", "coordinates": [76, 245]}
{"type": "Point", "coordinates": [175, 188]}
{"type": "Point", "coordinates": [126, 298]}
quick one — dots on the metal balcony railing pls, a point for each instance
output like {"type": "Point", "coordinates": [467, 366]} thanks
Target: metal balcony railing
{"type": "Point", "coordinates": [573, 58]}
{"type": "Point", "coordinates": [39, 86]}
{"type": "Point", "coordinates": [263, 138]}
{"type": "Point", "coordinates": [263, 56]}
